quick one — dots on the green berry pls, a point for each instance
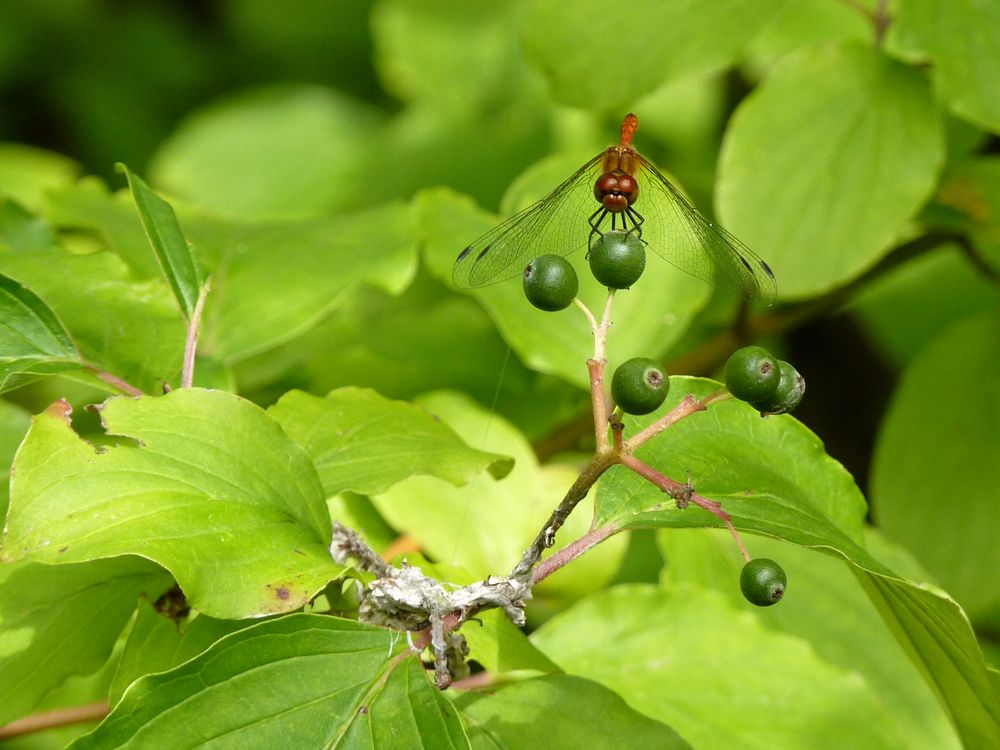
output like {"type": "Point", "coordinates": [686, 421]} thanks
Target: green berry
{"type": "Point", "coordinates": [791, 388]}
{"type": "Point", "coordinates": [752, 374]}
{"type": "Point", "coordinates": [617, 259]}
{"type": "Point", "coordinates": [639, 386]}
{"type": "Point", "coordinates": [550, 283]}
{"type": "Point", "coordinates": [762, 582]}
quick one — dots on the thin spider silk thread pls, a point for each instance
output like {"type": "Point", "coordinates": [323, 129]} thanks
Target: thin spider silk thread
{"type": "Point", "coordinates": [482, 446]}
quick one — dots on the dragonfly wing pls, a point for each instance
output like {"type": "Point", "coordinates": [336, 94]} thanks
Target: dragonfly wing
{"type": "Point", "coordinates": [677, 232]}
{"type": "Point", "coordinates": [557, 225]}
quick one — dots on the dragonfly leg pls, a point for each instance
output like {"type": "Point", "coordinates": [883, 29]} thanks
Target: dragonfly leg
{"type": "Point", "coordinates": [637, 221]}
{"type": "Point", "coordinates": [595, 220]}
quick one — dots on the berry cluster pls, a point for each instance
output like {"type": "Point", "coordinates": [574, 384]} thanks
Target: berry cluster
{"type": "Point", "coordinates": [640, 385]}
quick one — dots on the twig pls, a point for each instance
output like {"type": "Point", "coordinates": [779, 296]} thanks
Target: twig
{"type": "Point", "coordinates": [572, 551]}
{"type": "Point", "coordinates": [191, 344]}
{"type": "Point", "coordinates": [684, 494]}
{"type": "Point", "coordinates": [119, 383]}
{"type": "Point", "coordinates": [59, 717]}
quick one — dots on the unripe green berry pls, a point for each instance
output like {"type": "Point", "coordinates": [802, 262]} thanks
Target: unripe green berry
{"type": "Point", "coordinates": [791, 388]}
{"type": "Point", "coordinates": [762, 582]}
{"type": "Point", "coordinates": [617, 259]}
{"type": "Point", "coordinates": [639, 386]}
{"type": "Point", "coordinates": [752, 374]}
{"type": "Point", "coordinates": [550, 283]}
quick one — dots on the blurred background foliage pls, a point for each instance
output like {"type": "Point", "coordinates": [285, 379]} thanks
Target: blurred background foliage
{"type": "Point", "coordinates": [865, 174]}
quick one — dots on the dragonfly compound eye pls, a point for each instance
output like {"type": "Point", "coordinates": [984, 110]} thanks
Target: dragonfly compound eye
{"type": "Point", "coordinates": [616, 191]}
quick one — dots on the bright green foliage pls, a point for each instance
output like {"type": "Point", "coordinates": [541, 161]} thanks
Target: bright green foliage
{"type": "Point", "coordinates": [932, 464]}
{"type": "Point", "coordinates": [362, 442]}
{"type": "Point", "coordinates": [818, 169]}
{"type": "Point", "coordinates": [350, 381]}
{"type": "Point", "coordinates": [182, 468]}
{"type": "Point", "coordinates": [172, 251]}
{"type": "Point", "coordinates": [61, 620]}
{"type": "Point", "coordinates": [334, 676]}
{"type": "Point", "coordinates": [522, 715]}
{"type": "Point", "coordinates": [32, 339]}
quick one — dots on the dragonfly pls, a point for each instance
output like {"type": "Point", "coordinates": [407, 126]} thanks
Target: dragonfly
{"type": "Point", "coordinates": [631, 196]}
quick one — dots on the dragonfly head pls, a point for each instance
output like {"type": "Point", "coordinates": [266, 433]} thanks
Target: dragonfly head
{"type": "Point", "coordinates": [616, 190]}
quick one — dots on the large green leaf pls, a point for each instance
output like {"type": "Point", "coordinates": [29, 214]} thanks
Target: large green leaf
{"type": "Point", "coordinates": [826, 160]}
{"type": "Point", "coordinates": [32, 338]}
{"type": "Point", "coordinates": [684, 656]}
{"type": "Point", "coordinates": [648, 317]}
{"type": "Point", "coordinates": [365, 443]}
{"type": "Point", "coordinates": [175, 256]}
{"type": "Point", "coordinates": [771, 473]}
{"type": "Point", "coordinates": [62, 620]}
{"type": "Point", "coordinates": [274, 280]}
{"type": "Point", "coordinates": [774, 478]}
{"type": "Point", "coordinates": [131, 329]}
{"type": "Point", "coordinates": [937, 496]}
{"type": "Point", "coordinates": [596, 58]}
{"type": "Point", "coordinates": [417, 57]}
{"type": "Point", "coordinates": [825, 606]}
{"type": "Point", "coordinates": [21, 230]}
{"type": "Point", "coordinates": [26, 173]}
{"type": "Point", "coordinates": [276, 152]}
{"type": "Point", "coordinates": [156, 643]}
{"type": "Point", "coordinates": [305, 681]}
{"type": "Point", "coordinates": [962, 38]}
{"type": "Point", "coordinates": [560, 712]}
{"type": "Point", "coordinates": [202, 482]}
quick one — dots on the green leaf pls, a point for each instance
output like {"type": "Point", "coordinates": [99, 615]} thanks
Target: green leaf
{"type": "Point", "coordinates": [196, 476]}
{"type": "Point", "coordinates": [297, 681]}
{"type": "Point", "coordinates": [588, 64]}
{"type": "Point", "coordinates": [417, 57]}
{"type": "Point", "coordinates": [484, 526]}
{"type": "Point", "coordinates": [276, 152]}
{"type": "Point", "coordinates": [926, 489]}
{"type": "Point", "coordinates": [21, 230]}
{"type": "Point", "coordinates": [89, 205]}
{"type": "Point", "coordinates": [156, 643]}
{"type": "Point", "coordinates": [14, 423]}
{"type": "Point", "coordinates": [936, 633]}
{"type": "Point", "coordinates": [686, 657]}
{"type": "Point", "coordinates": [825, 161]}
{"type": "Point", "coordinates": [560, 712]}
{"type": "Point", "coordinates": [648, 317]}
{"type": "Point", "coordinates": [930, 293]}
{"type": "Point", "coordinates": [500, 646]}
{"type": "Point", "coordinates": [771, 474]}
{"type": "Point", "coordinates": [275, 280]}
{"type": "Point", "coordinates": [32, 338]}
{"type": "Point", "coordinates": [825, 606]}
{"type": "Point", "coordinates": [774, 478]}
{"type": "Point", "coordinates": [365, 443]}
{"type": "Point", "coordinates": [59, 621]}
{"type": "Point", "coordinates": [962, 38]}
{"type": "Point", "coordinates": [175, 256]}
{"type": "Point", "coordinates": [26, 173]}
{"type": "Point", "coordinates": [132, 329]}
